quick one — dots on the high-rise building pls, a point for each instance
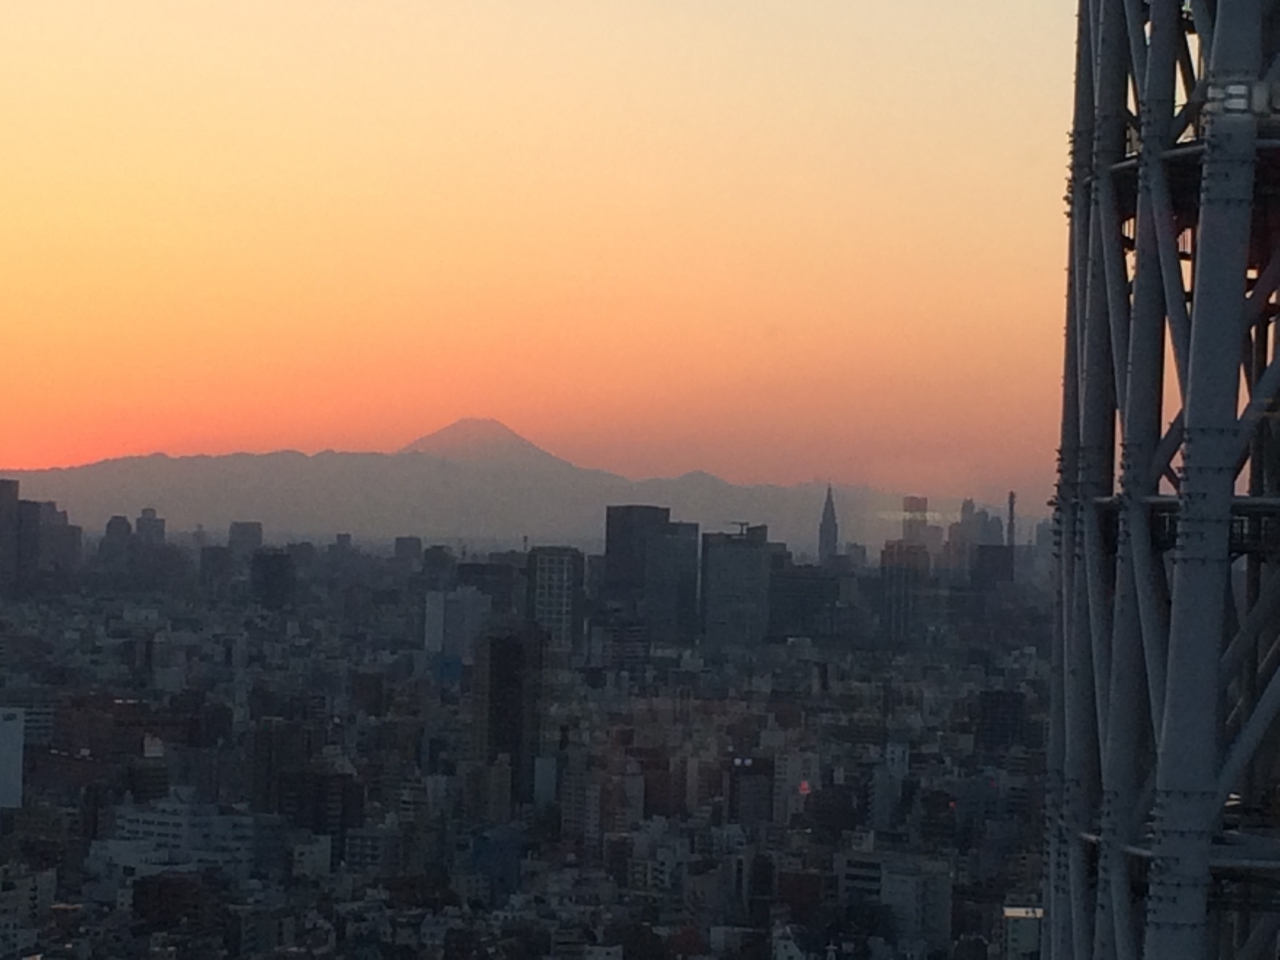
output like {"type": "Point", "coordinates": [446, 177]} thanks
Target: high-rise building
{"type": "Point", "coordinates": [326, 797]}
{"type": "Point", "coordinates": [453, 621]}
{"type": "Point", "coordinates": [11, 740]}
{"type": "Point", "coordinates": [828, 530]}
{"type": "Point", "coordinates": [735, 586]}
{"type": "Point", "coordinates": [904, 573]}
{"type": "Point", "coordinates": [507, 700]}
{"type": "Point", "coordinates": [1001, 717]}
{"type": "Point", "coordinates": [8, 537]}
{"type": "Point", "coordinates": [48, 545]}
{"type": "Point", "coordinates": [629, 530]}
{"type": "Point", "coordinates": [273, 579]}
{"type": "Point", "coordinates": [991, 564]}
{"type": "Point", "coordinates": [217, 570]}
{"type": "Point", "coordinates": [408, 551]}
{"type": "Point", "coordinates": [243, 538]}
{"type": "Point", "coordinates": [503, 583]}
{"type": "Point", "coordinates": [150, 529]}
{"type": "Point", "coordinates": [555, 599]}
{"type": "Point", "coordinates": [113, 548]}
{"type": "Point", "coordinates": [439, 568]}
{"type": "Point", "coordinates": [804, 601]}
{"type": "Point", "coordinates": [281, 750]}
{"type": "Point", "coordinates": [669, 598]}
{"type": "Point", "coordinates": [627, 645]}
{"type": "Point", "coordinates": [651, 569]}
{"type": "Point", "coordinates": [750, 790]}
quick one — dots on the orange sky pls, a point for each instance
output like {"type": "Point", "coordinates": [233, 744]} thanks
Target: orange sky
{"type": "Point", "coordinates": [770, 239]}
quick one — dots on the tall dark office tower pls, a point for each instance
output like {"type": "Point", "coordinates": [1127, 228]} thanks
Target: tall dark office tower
{"type": "Point", "coordinates": [244, 537]}
{"type": "Point", "coordinates": [669, 598]}
{"type": "Point", "coordinates": [8, 537]}
{"type": "Point", "coordinates": [507, 700]}
{"type": "Point", "coordinates": [503, 583]}
{"type": "Point", "coordinates": [408, 551]}
{"type": "Point", "coordinates": [28, 543]}
{"type": "Point", "coordinates": [651, 569]}
{"type": "Point", "coordinates": [113, 548]}
{"type": "Point", "coordinates": [273, 578]}
{"type": "Point", "coordinates": [48, 545]}
{"type": "Point", "coordinates": [555, 599]}
{"type": "Point", "coordinates": [217, 570]}
{"type": "Point", "coordinates": [751, 787]}
{"type": "Point", "coordinates": [326, 797]}
{"type": "Point", "coordinates": [281, 749]}
{"type": "Point", "coordinates": [804, 601]}
{"type": "Point", "coordinates": [828, 530]}
{"type": "Point", "coordinates": [1001, 718]}
{"type": "Point", "coordinates": [439, 569]}
{"type": "Point", "coordinates": [628, 532]}
{"type": "Point", "coordinates": [150, 529]}
{"type": "Point", "coordinates": [556, 604]}
{"type": "Point", "coordinates": [904, 572]}
{"type": "Point", "coordinates": [735, 586]}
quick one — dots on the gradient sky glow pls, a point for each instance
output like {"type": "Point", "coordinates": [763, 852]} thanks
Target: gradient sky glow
{"type": "Point", "coordinates": [777, 240]}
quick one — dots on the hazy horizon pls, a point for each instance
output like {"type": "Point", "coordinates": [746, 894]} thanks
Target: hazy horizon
{"type": "Point", "coordinates": [491, 437]}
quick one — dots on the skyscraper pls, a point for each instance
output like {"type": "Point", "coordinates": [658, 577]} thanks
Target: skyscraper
{"type": "Point", "coordinates": [113, 548]}
{"type": "Point", "coordinates": [629, 530]}
{"type": "Point", "coordinates": [281, 750]}
{"type": "Point", "coordinates": [273, 578]}
{"type": "Point", "coordinates": [556, 604]}
{"type": "Point", "coordinates": [8, 537]}
{"type": "Point", "coordinates": [828, 530]}
{"type": "Point", "coordinates": [669, 600]}
{"type": "Point", "coordinates": [735, 587]}
{"type": "Point", "coordinates": [904, 572]}
{"type": "Point", "coordinates": [150, 529]}
{"type": "Point", "coordinates": [48, 545]}
{"type": "Point", "coordinates": [504, 584]}
{"type": "Point", "coordinates": [11, 740]}
{"type": "Point", "coordinates": [408, 552]}
{"type": "Point", "coordinates": [244, 537]}
{"type": "Point", "coordinates": [507, 700]}
{"type": "Point", "coordinates": [555, 598]}
{"type": "Point", "coordinates": [651, 569]}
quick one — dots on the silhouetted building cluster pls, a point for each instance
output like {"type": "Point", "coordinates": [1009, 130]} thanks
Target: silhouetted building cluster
{"type": "Point", "coordinates": [39, 547]}
{"type": "Point", "coordinates": [699, 743]}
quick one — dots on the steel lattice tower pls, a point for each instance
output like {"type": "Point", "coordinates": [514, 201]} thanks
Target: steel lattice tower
{"type": "Point", "coordinates": [1164, 840]}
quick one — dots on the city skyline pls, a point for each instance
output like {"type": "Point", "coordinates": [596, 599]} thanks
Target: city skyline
{"type": "Point", "coordinates": [616, 480]}
{"type": "Point", "coordinates": [652, 242]}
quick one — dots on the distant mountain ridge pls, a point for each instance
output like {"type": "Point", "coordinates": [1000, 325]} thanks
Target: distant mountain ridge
{"type": "Point", "coordinates": [475, 479]}
{"type": "Point", "coordinates": [476, 440]}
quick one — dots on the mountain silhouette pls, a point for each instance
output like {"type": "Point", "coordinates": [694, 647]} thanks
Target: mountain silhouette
{"type": "Point", "coordinates": [477, 440]}
{"type": "Point", "coordinates": [474, 480]}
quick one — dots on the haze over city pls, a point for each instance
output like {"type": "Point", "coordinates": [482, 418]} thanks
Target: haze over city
{"type": "Point", "coordinates": [777, 242]}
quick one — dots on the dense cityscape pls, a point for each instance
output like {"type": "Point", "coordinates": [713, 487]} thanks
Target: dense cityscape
{"type": "Point", "coordinates": [693, 744]}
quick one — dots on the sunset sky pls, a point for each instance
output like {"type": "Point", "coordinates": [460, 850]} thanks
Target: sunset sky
{"type": "Point", "coordinates": [777, 240]}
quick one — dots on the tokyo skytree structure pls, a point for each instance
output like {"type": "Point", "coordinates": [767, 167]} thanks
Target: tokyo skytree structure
{"type": "Point", "coordinates": [1164, 753]}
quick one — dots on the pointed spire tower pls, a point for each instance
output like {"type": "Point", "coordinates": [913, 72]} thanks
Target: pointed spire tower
{"type": "Point", "coordinates": [828, 530]}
